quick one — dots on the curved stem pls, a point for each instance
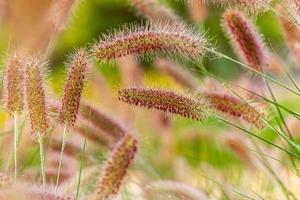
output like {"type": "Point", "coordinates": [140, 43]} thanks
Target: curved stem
{"type": "Point", "coordinates": [254, 135]}
{"type": "Point", "coordinates": [61, 155]}
{"type": "Point", "coordinates": [253, 70]}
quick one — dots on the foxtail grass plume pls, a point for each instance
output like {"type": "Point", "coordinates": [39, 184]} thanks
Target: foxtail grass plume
{"type": "Point", "coordinates": [247, 42]}
{"type": "Point", "coordinates": [102, 121]}
{"type": "Point", "coordinates": [74, 87]}
{"type": "Point", "coordinates": [116, 167]}
{"type": "Point", "coordinates": [198, 11]}
{"type": "Point", "coordinates": [167, 101]}
{"type": "Point", "coordinates": [94, 134]}
{"type": "Point", "coordinates": [174, 190]}
{"type": "Point", "coordinates": [130, 69]}
{"type": "Point", "coordinates": [148, 40]}
{"type": "Point", "coordinates": [156, 12]}
{"type": "Point", "coordinates": [234, 107]}
{"type": "Point", "coordinates": [29, 192]}
{"type": "Point", "coordinates": [239, 147]}
{"type": "Point", "coordinates": [60, 11]}
{"type": "Point", "coordinates": [15, 84]}
{"type": "Point", "coordinates": [291, 34]}
{"type": "Point", "coordinates": [35, 93]}
{"type": "Point", "coordinates": [247, 5]}
{"type": "Point", "coordinates": [73, 145]}
{"type": "Point", "coordinates": [177, 72]}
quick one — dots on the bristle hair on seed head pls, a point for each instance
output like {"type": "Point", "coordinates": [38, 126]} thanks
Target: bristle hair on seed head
{"type": "Point", "coordinates": [291, 34]}
{"type": "Point", "coordinates": [156, 12]}
{"type": "Point", "coordinates": [177, 72]}
{"type": "Point", "coordinates": [235, 107]}
{"type": "Point", "coordinates": [60, 11]}
{"type": "Point", "coordinates": [102, 121]}
{"type": "Point", "coordinates": [116, 167]}
{"type": "Point", "coordinates": [150, 39]}
{"type": "Point", "coordinates": [250, 6]}
{"type": "Point", "coordinates": [35, 94]}
{"type": "Point", "coordinates": [15, 84]}
{"type": "Point", "coordinates": [166, 101]}
{"type": "Point", "coordinates": [247, 42]}
{"type": "Point", "coordinates": [74, 87]}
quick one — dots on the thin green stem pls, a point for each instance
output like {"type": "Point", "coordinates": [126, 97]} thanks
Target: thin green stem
{"type": "Point", "coordinates": [61, 155]}
{"type": "Point", "coordinates": [16, 137]}
{"type": "Point", "coordinates": [81, 167]}
{"type": "Point", "coordinates": [284, 136]}
{"type": "Point", "coordinates": [42, 158]}
{"type": "Point", "coordinates": [254, 135]}
{"type": "Point", "coordinates": [253, 70]}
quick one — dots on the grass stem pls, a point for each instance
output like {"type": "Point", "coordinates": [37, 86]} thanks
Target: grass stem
{"type": "Point", "coordinates": [16, 137]}
{"type": "Point", "coordinates": [81, 167]}
{"type": "Point", "coordinates": [61, 155]}
{"type": "Point", "coordinates": [42, 158]}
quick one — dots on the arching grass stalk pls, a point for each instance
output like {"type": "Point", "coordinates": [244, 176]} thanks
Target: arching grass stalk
{"type": "Point", "coordinates": [251, 69]}
{"type": "Point", "coordinates": [279, 112]}
{"type": "Point", "coordinates": [16, 138]}
{"type": "Point", "coordinates": [227, 83]}
{"type": "Point", "coordinates": [267, 165]}
{"type": "Point", "coordinates": [284, 136]}
{"type": "Point", "coordinates": [61, 155]}
{"type": "Point", "coordinates": [72, 95]}
{"type": "Point", "coordinates": [82, 160]}
{"type": "Point", "coordinates": [251, 133]}
{"type": "Point", "coordinates": [42, 159]}
{"type": "Point", "coordinates": [292, 17]}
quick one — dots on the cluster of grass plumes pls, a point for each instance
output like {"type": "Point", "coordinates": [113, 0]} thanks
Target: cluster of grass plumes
{"type": "Point", "coordinates": [151, 39]}
{"type": "Point", "coordinates": [194, 150]}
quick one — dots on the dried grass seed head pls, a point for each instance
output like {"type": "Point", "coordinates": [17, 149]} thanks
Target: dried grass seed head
{"type": "Point", "coordinates": [167, 101]}
{"type": "Point", "coordinates": [235, 107]}
{"type": "Point", "coordinates": [35, 94]}
{"type": "Point", "coordinates": [102, 121]}
{"type": "Point", "coordinates": [247, 42]}
{"type": "Point", "coordinates": [251, 6]}
{"type": "Point", "coordinates": [74, 87]}
{"type": "Point", "coordinates": [149, 40]}
{"type": "Point", "coordinates": [156, 12]}
{"type": "Point", "coordinates": [15, 83]}
{"type": "Point", "coordinates": [116, 167]}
